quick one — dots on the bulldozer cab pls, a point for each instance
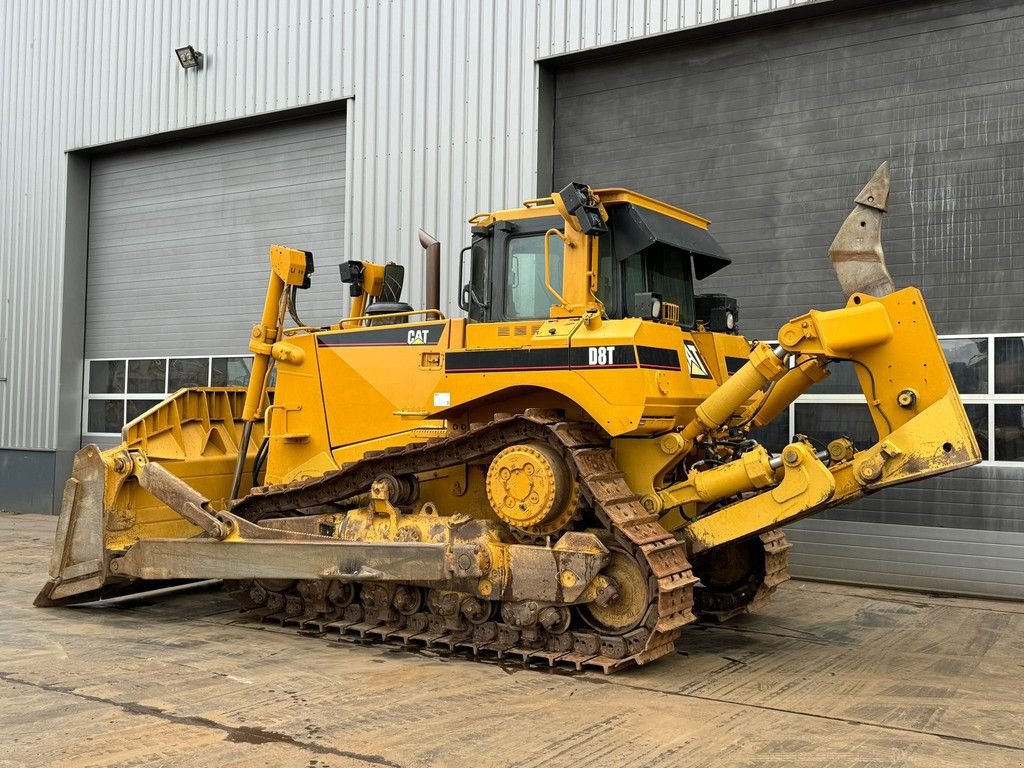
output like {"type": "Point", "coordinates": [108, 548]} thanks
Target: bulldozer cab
{"type": "Point", "coordinates": [639, 260]}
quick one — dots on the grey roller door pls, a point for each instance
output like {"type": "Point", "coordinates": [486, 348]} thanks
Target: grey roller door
{"type": "Point", "coordinates": [179, 236]}
{"type": "Point", "coordinates": [770, 133]}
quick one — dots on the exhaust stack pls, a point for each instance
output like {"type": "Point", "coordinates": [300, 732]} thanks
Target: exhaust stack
{"type": "Point", "coordinates": [433, 281]}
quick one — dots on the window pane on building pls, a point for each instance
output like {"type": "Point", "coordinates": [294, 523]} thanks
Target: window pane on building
{"type": "Point", "coordinates": [105, 416]}
{"type": "Point", "coordinates": [187, 372]}
{"type": "Point", "coordinates": [230, 371]}
{"type": "Point", "coordinates": [776, 435]}
{"type": "Point", "coordinates": [1010, 433]}
{"type": "Point", "coordinates": [842, 380]}
{"type": "Point", "coordinates": [138, 407]}
{"type": "Point", "coordinates": [825, 422]}
{"type": "Point", "coordinates": [968, 362]}
{"type": "Point", "coordinates": [1009, 368]}
{"type": "Point", "coordinates": [978, 416]}
{"type": "Point", "coordinates": [145, 376]}
{"type": "Point", "coordinates": [106, 377]}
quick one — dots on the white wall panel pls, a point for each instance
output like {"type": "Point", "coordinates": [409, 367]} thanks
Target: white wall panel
{"type": "Point", "coordinates": [443, 124]}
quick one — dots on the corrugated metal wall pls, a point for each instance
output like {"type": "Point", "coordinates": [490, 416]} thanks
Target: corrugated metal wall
{"type": "Point", "coordinates": [444, 119]}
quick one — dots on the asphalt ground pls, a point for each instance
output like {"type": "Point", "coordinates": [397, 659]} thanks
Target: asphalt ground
{"type": "Point", "coordinates": [825, 675]}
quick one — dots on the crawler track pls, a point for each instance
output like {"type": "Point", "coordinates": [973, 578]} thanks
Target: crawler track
{"type": "Point", "coordinates": [604, 489]}
{"type": "Point", "coordinates": [631, 528]}
{"type": "Point", "coordinates": [771, 570]}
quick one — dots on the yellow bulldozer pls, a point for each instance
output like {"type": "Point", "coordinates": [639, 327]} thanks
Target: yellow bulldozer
{"type": "Point", "coordinates": [570, 474]}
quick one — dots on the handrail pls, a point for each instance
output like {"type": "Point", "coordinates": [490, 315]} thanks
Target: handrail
{"type": "Point", "coordinates": [547, 262]}
{"type": "Point", "coordinates": [439, 315]}
{"type": "Point", "coordinates": [537, 202]}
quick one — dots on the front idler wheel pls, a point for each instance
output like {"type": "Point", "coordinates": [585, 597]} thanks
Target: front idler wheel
{"type": "Point", "coordinates": [622, 608]}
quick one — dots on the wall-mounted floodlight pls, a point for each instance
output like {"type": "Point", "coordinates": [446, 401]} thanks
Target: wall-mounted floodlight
{"type": "Point", "coordinates": [189, 57]}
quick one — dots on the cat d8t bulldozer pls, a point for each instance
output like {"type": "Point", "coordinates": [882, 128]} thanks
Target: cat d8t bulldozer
{"type": "Point", "coordinates": [569, 474]}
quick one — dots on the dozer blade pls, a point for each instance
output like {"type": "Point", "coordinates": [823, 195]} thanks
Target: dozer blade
{"type": "Point", "coordinates": [86, 565]}
{"type": "Point", "coordinates": [856, 253]}
{"type": "Point", "coordinates": [78, 572]}
{"type": "Point", "coordinates": [107, 507]}
{"type": "Point", "coordinates": [130, 525]}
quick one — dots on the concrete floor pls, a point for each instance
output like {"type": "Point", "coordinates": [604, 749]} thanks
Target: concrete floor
{"type": "Point", "coordinates": [825, 676]}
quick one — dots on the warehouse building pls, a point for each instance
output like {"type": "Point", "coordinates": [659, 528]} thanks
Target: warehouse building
{"type": "Point", "coordinates": [153, 150]}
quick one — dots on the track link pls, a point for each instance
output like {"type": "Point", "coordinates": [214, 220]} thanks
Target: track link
{"type": "Point", "coordinates": [603, 486]}
{"type": "Point", "coordinates": [721, 605]}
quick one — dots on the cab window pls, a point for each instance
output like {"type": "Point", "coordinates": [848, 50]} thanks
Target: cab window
{"type": "Point", "coordinates": [606, 265]}
{"type": "Point", "coordinates": [526, 296]}
{"type": "Point", "coordinates": [663, 270]}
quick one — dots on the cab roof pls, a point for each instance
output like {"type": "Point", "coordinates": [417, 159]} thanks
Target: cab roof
{"type": "Point", "coordinates": [637, 223]}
